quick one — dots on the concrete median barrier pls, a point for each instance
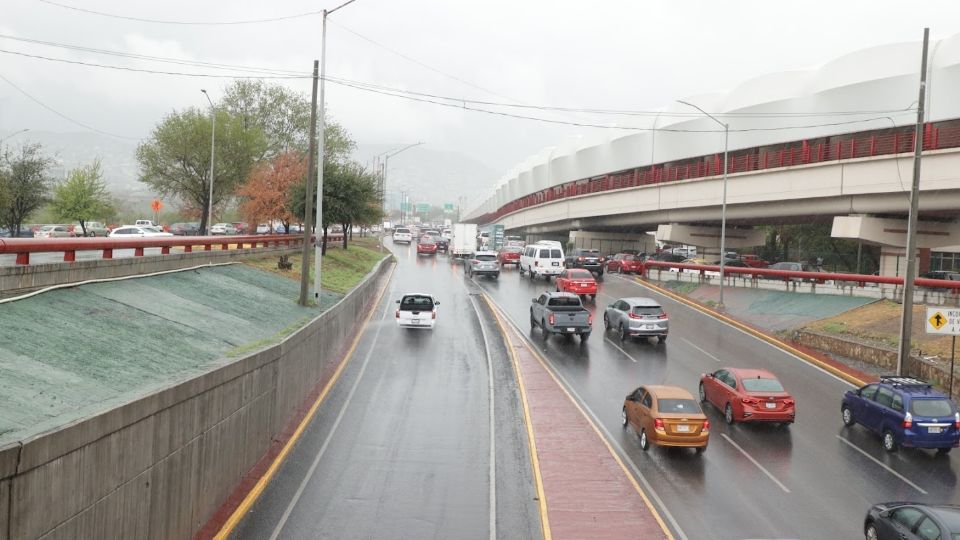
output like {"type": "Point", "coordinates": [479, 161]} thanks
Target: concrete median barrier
{"type": "Point", "coordinates": [160, 466]}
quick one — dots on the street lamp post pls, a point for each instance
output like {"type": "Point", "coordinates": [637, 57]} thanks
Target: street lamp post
{"type": "Point", "coordinates": [321, 144]}
{"type": "Point", "coordinates": [723, 206]}
{"type": "Point", "coordinates": [213, 140]}
{"type": "Point", "coordinates": [14, 134]}
{"type": "Point", "coordinates": [386, 165]}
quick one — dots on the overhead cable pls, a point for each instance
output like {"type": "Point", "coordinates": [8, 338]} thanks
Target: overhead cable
{"type": "Point", "coordinates": [187, 23]}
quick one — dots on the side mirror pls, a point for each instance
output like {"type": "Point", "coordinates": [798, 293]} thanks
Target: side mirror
{"type": "Point", "coordinates": [535, 299]}
{"type": "Point", "coordinates": [398, 301]}
{"type": "Point", "coordinates": [436, 303]}
{"type": "Point", "coordinates": [858, 391]}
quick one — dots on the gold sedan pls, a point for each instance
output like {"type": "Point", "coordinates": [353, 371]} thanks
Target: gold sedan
{"type": "Point", "coordinates": [666, 416]}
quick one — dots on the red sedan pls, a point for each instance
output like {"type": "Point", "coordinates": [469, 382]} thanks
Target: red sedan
{"type": "Point", "coordinates": [748, 395]}
{"type": "Point", "coordinates": [509, 255]}
{"type": "Point", "coordinates": [577, 281]}
{"type": "Point", "coordinates": [427, 245]}
{"type": "Point", "coordinates": [625, 263]}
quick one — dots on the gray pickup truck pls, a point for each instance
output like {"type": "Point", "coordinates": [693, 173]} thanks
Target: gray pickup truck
{"type": "Point", "coordinates": [560, 313]}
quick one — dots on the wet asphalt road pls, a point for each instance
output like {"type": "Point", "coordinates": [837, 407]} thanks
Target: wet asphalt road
{"type": "Point", "coordinates": [813, 480]}
{"type": "Point", "coordinates": [401, 447]}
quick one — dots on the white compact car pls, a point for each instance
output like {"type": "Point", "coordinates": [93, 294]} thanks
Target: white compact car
{"type": "Point", "coordinates": [417, 310]}
{"type": "Point", "coordinates": [544, 258]}
{"type": "Point", "coordinates": [133, 231]}
{"type": "Point", "coordinates": [402, 235]}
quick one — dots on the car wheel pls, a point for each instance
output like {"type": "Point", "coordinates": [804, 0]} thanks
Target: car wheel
{"type": "Point", "coordinates": [700, 450]}
{"type": "Point", "coordinates": [623, 418]}
{"type": "Point", "coordinates": [533, 322]}
{"type": "Point", "coordinates": [662, 339]}
{"type": "Point", "coordinates": [545, 333]}
{"type": "Point", "coordinates": [606, 323]}
{"type": "Point", "coordinates": [520, 268]}
{"type": "Point", "coordinates": [847, 415]}
{"type": "Point", "coordinates": [943, 451]}
{"type": "Point", "coordinates": [728, 414]}
{"type": "Point", "coordinates": [889, 441]}
{"type": "Point", "coordinates": [584, 336]}
{"type": "Point", "coordinates": [703, 394]}
{"type": "Point", "coordinates": [870, 532]}
{"type": "Point", "coordinates": [621, 333]}
{"type": "Point", "coordinates": [644, 442]}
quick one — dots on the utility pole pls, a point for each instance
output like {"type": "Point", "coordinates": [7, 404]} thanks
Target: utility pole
{"type": "Point", "coordinates": [906, 319]}
{"type": "Point", "coordinates": [321, 144]}
{"type": "Point", "coordinates": [308, 209]}
{"type": "Point", "coordinates": [213, 140]}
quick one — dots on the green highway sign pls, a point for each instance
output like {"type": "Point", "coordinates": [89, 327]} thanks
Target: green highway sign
{"type": "Point", "coordinates": [423, 208]}
{"type": "Point", "coordinates": [448, 207]}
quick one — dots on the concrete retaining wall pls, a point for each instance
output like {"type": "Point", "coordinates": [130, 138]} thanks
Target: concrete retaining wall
{"type": "Point", "coordinates": [159, 467]}
{"type": "Point", "coordinates": [17, 280]}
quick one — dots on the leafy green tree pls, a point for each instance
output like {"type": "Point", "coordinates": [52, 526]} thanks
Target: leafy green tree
{"type": "Point", "coordinates": [284, 117]}
{"type": "Point", "coordinates": [24, 184]}
{"type": "Point", "coordinates": [351, 196]}
{"type": "Point", "coordinates": [175, 161]}
{"type": "Point", "coordinates": [83, 196]}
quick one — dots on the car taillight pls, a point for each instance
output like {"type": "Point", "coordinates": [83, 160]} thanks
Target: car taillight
{"type": "Point", "coordinates": [590, 319]}
{"type": "Point", "coordinates": [658, 423]}
{"type": "Point", "coordinates": [536, 263]}
{"type": "Point", "coordinates": [633, 315]}
{"type": "Point", "coordinates": [553, 319]}
{"type": "Point", "coordinates": [706, 426]}
{"type": "Point", "coordinates": [663, 315]}
{"type": "Point", "coordinates": [602, 259]}
{"type": "Point", "coordinates": [788, 402]}
{"type": "Point", "coordinates": [750, 401]}
{"type": "Point", "coordinates": [398, 314]}
{"type": "Point", "coordinates": [434, 314]}
{"type": "Point", "coordinates": [956, 420]}
{"type": "Point", "coordinates": [908, 421]}
{"type": "Point", "coordinates": [579, 259]}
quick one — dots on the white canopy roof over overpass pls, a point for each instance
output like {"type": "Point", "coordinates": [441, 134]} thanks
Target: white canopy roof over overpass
{"type": "Point", "coordinates": [855, 92]}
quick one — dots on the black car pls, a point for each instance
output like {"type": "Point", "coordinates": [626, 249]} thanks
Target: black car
{"type": "Point", "coordinates": [24, 233]}
{"type": "Point", "coordinates": [588, 259]}
{"type": "Point", "coordinates": [665, 256]}
{"type": "Point", "coordinates": [910, 521]}
{"type": "Point", "coordinates": [185, 229]}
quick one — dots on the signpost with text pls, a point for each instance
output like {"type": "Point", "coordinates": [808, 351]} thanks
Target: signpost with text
{"type": "Point", "coordinates": [945, 321]}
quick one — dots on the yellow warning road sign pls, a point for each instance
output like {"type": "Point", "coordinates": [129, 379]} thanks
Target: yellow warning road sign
{"type": "Point", "coordinates": [943, 321]}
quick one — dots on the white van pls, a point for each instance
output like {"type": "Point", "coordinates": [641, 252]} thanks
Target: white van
{"type": "Point", "coordinates": [544, 258]}
{"type": "Point", "coordinates": [402, 234]}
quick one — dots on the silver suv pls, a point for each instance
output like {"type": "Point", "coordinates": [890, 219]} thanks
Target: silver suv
{"type": "Point", "coordinates": [637, 317]}
{"type": "Point", "coordinates": [483, 263]}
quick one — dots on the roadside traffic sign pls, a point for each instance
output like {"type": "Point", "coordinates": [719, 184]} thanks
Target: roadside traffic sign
{"type": "Point", "coordinates": [943, 321]}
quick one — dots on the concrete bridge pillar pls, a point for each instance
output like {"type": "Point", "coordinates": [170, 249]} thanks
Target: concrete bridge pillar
{"type": "Point", "coordinates": [707, 239]}
{"type": "Point", "coordinates": [609, 243]}
{"type": "Point", "coordinates": [891, 235]}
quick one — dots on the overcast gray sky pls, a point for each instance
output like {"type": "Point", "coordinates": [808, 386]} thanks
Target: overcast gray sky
{"type": "Point", "coordinates": [612, 54]}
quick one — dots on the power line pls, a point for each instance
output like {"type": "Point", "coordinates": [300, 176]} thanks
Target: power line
{"type": "Point", "coordinates": [154, 71]}
{"type": "Point", "coordinates": [65, 117]}
{"type": "Point", "coordinates": [186, 23]}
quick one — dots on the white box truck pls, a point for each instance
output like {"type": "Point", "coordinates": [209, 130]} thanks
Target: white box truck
{"type": "Point", "coordinates": [464, 241]}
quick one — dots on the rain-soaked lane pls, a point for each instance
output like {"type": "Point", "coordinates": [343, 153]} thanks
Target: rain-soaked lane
{"type": "Point", "coordinates": [401, 446]}
{"type": "Point", "coordinates": [754, 481]}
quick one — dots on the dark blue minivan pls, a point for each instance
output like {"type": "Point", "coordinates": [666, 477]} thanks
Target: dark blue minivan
{"type": "Point", "coordinates": [905, 412]}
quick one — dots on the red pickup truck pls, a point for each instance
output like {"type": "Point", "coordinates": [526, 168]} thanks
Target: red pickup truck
{"type": "Point", "coordinates": [753, 261]}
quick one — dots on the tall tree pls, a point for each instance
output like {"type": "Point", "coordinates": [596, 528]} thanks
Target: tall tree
{"type": "Point", "coordinates": [267, 191]}
{"type": "Point", "coordinates": [284, 117]}
{"type": "Point", "coordinates": [83, 196]}
{"type": "Point", "coordinates": [26, 183]}
{"type": "Point", "coordinates": [352, 197]}
{"type": "Point", "coordinates": [175, 161]}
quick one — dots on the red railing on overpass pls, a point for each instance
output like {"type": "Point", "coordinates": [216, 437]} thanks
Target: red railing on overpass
{"type": "Point", "coordinates": [23, 247]}
{"type": "Point", "coordinates": [810, 277]}
{"type": "Point", "coordinates": [937, 135]}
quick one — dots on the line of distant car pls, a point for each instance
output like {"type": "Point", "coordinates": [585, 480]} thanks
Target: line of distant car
{"type": "Point", "coordinates": [145, 228]}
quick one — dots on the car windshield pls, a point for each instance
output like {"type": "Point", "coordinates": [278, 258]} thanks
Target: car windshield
{"type": "Point", "coordinates": [589, 252]}
{"type": "Point", "coordinates": [416, 303]}
{"type": "Point", "coordinates": [678, 406]}
{"type": "Point", "coordinates": [580, 274]}
{"type": "Point", "coordinates": [427, 240]}
{"type": "Point", "coordinates": [556, 254]}
{"type": "Point", "coordinates": [931, 407]}
{"type": "Point", "coordinates": [513, 249]}
{"type": "Point", "coordinates": [629, 258]}
{"type": "Point", "coordinates": [561, 301]}
{"type": "Point", "coordinates": [648, 311]}
{"type": "Point", "coordinates": [762, 385]}
{"type": "Point", "coordinates": [403, 231]}
{"type": "Point", "coordinates": [486, 257]}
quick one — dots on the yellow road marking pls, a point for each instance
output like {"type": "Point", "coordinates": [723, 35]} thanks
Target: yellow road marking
{"type": "Point", "coordinates": [262, 483]}
{"type": "Point", "coordinates": [532, 444]}
{"type": "Point", "coordinates": [769, 339]}
{"type": "Point", "coordinates": [616, 457]}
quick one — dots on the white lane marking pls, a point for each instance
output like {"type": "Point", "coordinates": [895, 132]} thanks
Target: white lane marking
{"type": "Point", "coordinates": [596, 421]}
{"type": "Point", "coordinates": [744, 332]}
{"type": "Point", "coordinates": [617, 347]}
{"type": "Point", "coordinates": [882, 464]}
{"type": "Point", "coordinates": [757, 463]}
{"type": "Point", "coordinates": [493, 448]}
{"type": "Point", "coordinates": [333, 430]}
{"type": "Point", "coordinates": [699, 349]}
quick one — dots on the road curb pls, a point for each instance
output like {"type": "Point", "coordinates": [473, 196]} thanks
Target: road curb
{"type": "Point", "coordinates": [772, 340]}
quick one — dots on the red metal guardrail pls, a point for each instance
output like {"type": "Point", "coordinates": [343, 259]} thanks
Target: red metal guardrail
{"type": "Point", "coordinates": [23, 247]}
{"type": "Point", "coordinates": [810, 277]}
{"type": "Point", "coordinates": [936, 135]}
